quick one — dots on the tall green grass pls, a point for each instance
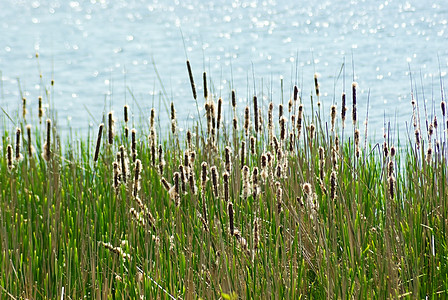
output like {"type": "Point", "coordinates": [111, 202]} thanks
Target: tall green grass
{"type": "Point", "coordinates": [290, 208]}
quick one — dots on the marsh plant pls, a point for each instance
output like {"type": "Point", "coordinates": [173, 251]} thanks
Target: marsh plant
{"type": "Point", "coordinates": [294, 208]}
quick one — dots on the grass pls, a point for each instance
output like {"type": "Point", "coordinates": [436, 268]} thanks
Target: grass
{"type": "Point", "coordinates": [323, 216]}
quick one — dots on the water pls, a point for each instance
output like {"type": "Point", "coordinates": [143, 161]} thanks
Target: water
{"type": "Point", "coordinates": [98, 52]}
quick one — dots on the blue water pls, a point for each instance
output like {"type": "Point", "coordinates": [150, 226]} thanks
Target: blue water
{"type": "Point", "coordinates": [98, 52]}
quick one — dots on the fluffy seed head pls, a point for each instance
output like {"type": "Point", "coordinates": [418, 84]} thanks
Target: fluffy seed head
{"type": "Point", "coordinates": [98, 142]}
{"type": "Point", "coordinates": [111, 128]}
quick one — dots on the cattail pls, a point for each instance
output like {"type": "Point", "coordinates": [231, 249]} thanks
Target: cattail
{"type": "Point", "coordinates": [430, 131]}
{"type": "Point", "coordinates": [275, 144]}
{"type": "Point", "coordinates": [280, 111]}
{"type": "Point", "coordinates": [336, 144]}
{"type": "Point", "coordinates": [435, 122]}
{"type": "Point", "coordinates": [356, 138]}
{"type": "Point", "coordinates": [134, 144]}
{"type": "Point", "coordinates": [354, 86]}
{"type": "Point", "coordinates": [290, 105]}
{"type": "Point", "coordinates": [278, 170]}
{"type": "Point", "coordinates": [385, 149]}
{"type": "Point", "coordinates": [391, 181]}
{"type": "Point", "coordinates": [214, 172]}
{"type": "Point", "coordinates": [111, 128]}
{"type": "Point", "coordinates": [40, 111]}
{"type": "Point", "coordinates": [296, 92]}
{"type": "Point", "coordinates": [189, 134]}
{"type": "Point", "coordinates": [256, 234]}
{"type": "Point", "coordinates": [344, 110]}
{"type": "Point", "coordinates": [173, 118]}
{"type": "Point", "coordinates": [334, 157]}
{"type": "Point", "coordinates": [47, 146]}
{"type": "Point", "coordinates": [299, 120]}
{"type": "Point", "coordinates": [270, 121]}
{"type": "Point", "coordinates": [152, 117]}
{"type": "Point", "coordinates": [321, 162]}
{"type": "Point", "coordinates": [264, 172]}
{"type": "Point", "coordinates": [429, 155]}
{"type": "Point", "coordinates": [252, 145]}
{"type": "Point", "coordinates": [333, 116]}
{"type": "Point", "coordinates": [176, 190]}
{"type": "Point", "coordinates": [443, 107]}
{"type": "Point", "coordinates": [230, 211]}
{"type": "Point", "coordinates": [390, 168]}
{"type": "Point", "coordinates": [247, 120]}
{"type": "Point", "coordinates": [243, 153]}
{"type": "Point", "coordinates": [333, 184]}
{"type": "Point", "coordinates": [282, 128]}
{"type": "Point", "coordinates": [190, 75]}
{"type": "Point", "coordinates": [312, 131]}
{"type": "Point", "coordinates": [166, 185]}
{"type": "Point", "coordinates": [204, 177]}
{"type": "Point", "coordinates": [204, 80]}
{"type": "Point", "coordinates": [417, 138]}
{"type": "Point", "coordinates": [30, 145]}
{"type": "Point", "coordinates": [218, 119]}
{"type": "Point", "coordinates": [137, 172]}
{"type": "Point", "coordinates": [316, 85]}
{"type": "Point", "coordinates": [246, 182]}
{"type": "Point", "coordinates": [192, 157]}
{"type": "Point", "coordinates": [291, 142]}
{"type": "Point", "coordinates": [116, 175]}
{"type": "Point", "coordinates": [9, 157]}
{"type": "Point", "coordinates": [392, 152]}
{"type": "Point", "coordinates": [192, 182]}
{"type": "Point", "coordinates": [279, 197]}
{"type": "Point", "coordinates": [255, 187]}
{"type": "Point", "coordinates": [126, 114]}
{"type": "Point", "coordinates": [225, 177]}
{"type": "Point", "coordinates": [161, 160]}
{"type": "Point", "coordinates": [19, 155]}
{"type": "Point", "coordinates": [98, 142]}
{"type": "Point", "coordinates": [183, 178]}
{"type": "Point", "coordinates": [256, 121]}
{"type": "Point", "coordinates": [233, 99]}
{"type": "Point", "coordinates": [124, 164]}
{"type": "Point", "coordinates": [24, 107]}
{"type": "Point", "coordinates": [235, 123]}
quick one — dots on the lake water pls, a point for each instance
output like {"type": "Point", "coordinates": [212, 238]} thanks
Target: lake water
{"type": "Point", "coordinates": [94, 49]}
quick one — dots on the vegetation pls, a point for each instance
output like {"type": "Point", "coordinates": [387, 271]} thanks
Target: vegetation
{"type": "Point", "coordinates": [276, 203]}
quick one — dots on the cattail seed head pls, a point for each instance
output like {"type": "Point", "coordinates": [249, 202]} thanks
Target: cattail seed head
{"type": "Point", "coordinates": [214, 172]}
{"type": "Point", "coordinates": [225, 177]}
{"type": "Point", "coordinates": [435, 122]}
{"type": "Point", "coordinates": [429, 155]}
{"type": "Point", "coordinates": [47, 146]}
{"type": "Point", "coordinates": [256, 234]}
{"type": "Point", "coordinates": [24, 111]}
{"type": "Point", "coordinates": [385, 149]}
{"type": "Point", "coordinates": [204, 172]}
{"type": "Point", "coordinates": [173, 118]}
{"type": "Point", "coordinates": [291, 142]}
{"type": "Point", "coordinates": [316, 84]}
{"type": "Point", "coordinates": [280, 111]}
{"type": "Point", "coordinates": [417, 138]}
{"type": "Point", "coordinates": [356, 138]}
{"type": "Point", "coordinates": [296, 92]}
{"type": "Point", "coordinates": [279, 197]}
{"type": "Point", "coordinates": [391, 181]}
{"type": "Point", "coordinates": [252, 145]}
{"type": "Point", "coordinates": [354, 86]}
{"type": "Point", "coordinates": [282, 128]}
{"type": "Point", "coordinates": [255, 182]}
{"type": "Point", "coordinates": [152, 118]}
{"type": "Point", "coordinates": [243, 153]}
{"type": "Point", "coordinates": [218, 120]}
{"type": "Point", "coordinates": [116, 175]}
{"type": "Point", "coordinates": [392, 151]}
{"type": "Point", "coordinates": [166, 185]}
{"type": "Point", "coordinates": [299, 120]}
{"type": "Point", "coordinates": [19, 156]}
{"type": "Point", "coordinates": [307, 189]}
{"type": "Point", "coordinates": [161, 160]}
{"type": "Point", "coordinates": [204, 81]}
{"type": "Point", "coordinates": [137, 172]}
{"type": "Point", "coordinates": [312, 131]}
{"type": "Point", "coordinates": [333, 116]}
{"type": "Point", "coordinates": [176, 190]}
{"type": "Point", "coordinates": [190, 75]}
{"type": "Point", "coordinates": [40, 111]}
{"type": "Point", "coordinates": [333, 184]}
{"type": "Point", "coordinates": [431, 130]}
{"type": "Point", "coordinates": [230, 212]}
{"type": "Point", "coordinates": [390, 168]}
{"type": "Point", "coordinates": [228, 152]}
{"type": "Point", "coordinates": [126, 113]}
{"type": "Point", "coordinates": [233, 99]}
{"type": "Point", "coordinates": [443, 107]}
{"type": "Point", "coordinates": [290, 105]}
{"type": "Point", "coordinates": [192, 182]}
{"type": "Point", "coordinates": [246, 182]}
{"type": "Point", "coordinates": [344, 110]}
{"type": "Point", "coordinates": [30, 145]}
{"type": "Point", "coordinates": [111, 128]}
{"type": "Point", "coordinates": [9, 157]}
{"type": "Point", "coordinates": [235, 123]}
{"type": "Point", "coordinates": [98, 142]}
{"type": "Point", "coordinates": [256, 119]}
{"type": "Point", "coordinates": [247, 120]}
{"type": "Point", "coordinates": [321, 162]}
{"type": "Point", "coordinates": [134, 144]}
